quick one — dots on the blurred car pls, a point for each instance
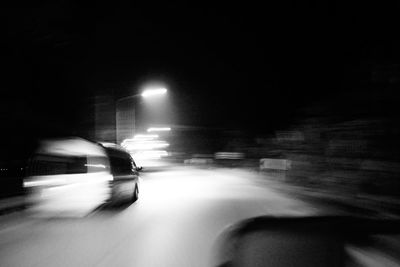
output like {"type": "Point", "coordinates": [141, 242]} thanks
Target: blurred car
{"type": "Point", "coordinates": [76, 175]}
{"type": "Point", "coordinates": [125, 182]}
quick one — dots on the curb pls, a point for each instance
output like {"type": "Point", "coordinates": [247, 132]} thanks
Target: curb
{"type": "Point", "coordinates": [362, 204]}
{"type": "Point", "coordinates": [12, 204]}
{"type": "Point", "coordinates": [356, 204]}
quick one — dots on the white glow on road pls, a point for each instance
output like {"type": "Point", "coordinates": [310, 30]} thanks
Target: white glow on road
{"type": "Point", "coordinates": [184, 184]}
{"type": "Point", "coordinates": [185, 187]}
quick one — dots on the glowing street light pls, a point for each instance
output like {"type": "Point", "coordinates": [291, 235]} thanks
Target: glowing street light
{"type": "Point", "coordinates": [148, 92]}
{"type": "Point", "coordinates": [154, 92]}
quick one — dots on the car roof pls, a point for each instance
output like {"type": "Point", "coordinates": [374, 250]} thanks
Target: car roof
{"type": "Point", "coordinates": [70, 146]}
{"type": "Point", "coordinates": [114, 149]}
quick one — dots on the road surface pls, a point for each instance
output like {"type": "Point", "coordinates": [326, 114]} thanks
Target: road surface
{"type": "Point", "coordinates": [175, 223]}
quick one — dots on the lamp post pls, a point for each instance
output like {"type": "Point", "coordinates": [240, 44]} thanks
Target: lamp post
{"type": "Point", "coordinates": [147, 93]}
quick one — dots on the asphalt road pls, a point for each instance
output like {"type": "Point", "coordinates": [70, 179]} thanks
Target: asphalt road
{"type": "Point", "coordinates": [176, 221]}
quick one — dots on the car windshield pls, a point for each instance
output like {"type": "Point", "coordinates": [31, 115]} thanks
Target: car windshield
{"type": "Point", "coordinates": [168, 123]}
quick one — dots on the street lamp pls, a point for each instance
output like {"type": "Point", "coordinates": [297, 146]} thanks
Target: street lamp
{"type": "Point", "coordinates": [147, 93]}
{"type": "Point", "coordinates": [154, 92]}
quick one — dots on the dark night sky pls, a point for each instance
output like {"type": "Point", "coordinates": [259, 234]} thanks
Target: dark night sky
{"type": "Point", "coordinates": [237, 65]}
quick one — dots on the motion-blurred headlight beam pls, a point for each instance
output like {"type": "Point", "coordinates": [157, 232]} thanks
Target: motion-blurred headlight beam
{"type": "Point", "coordinates": [145, 137]}
{"type": "Point", "coordinates": [158, 129]}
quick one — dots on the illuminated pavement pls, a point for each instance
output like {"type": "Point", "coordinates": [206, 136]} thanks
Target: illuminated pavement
{"type": "Point", "coordinates": [175, 223]}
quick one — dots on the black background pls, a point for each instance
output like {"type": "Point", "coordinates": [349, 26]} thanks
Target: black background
{"type": "Point", "coordinates": [241, 65]}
